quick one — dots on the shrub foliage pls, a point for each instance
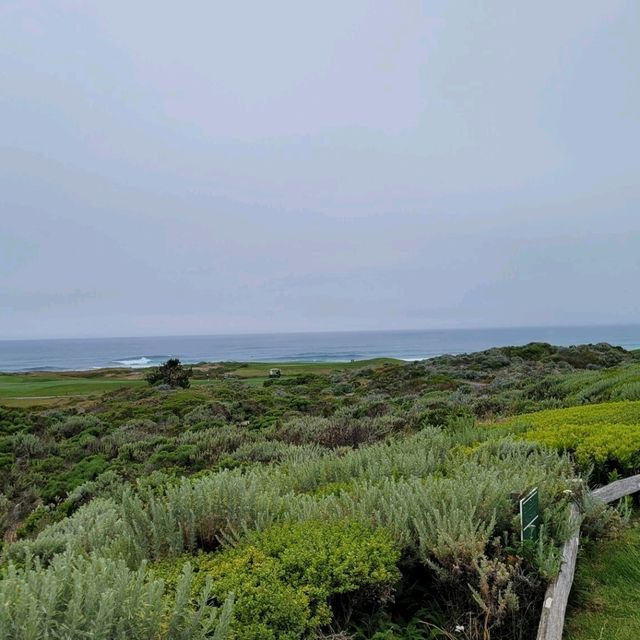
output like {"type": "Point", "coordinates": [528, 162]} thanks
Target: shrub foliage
{"type": "Point", "coordinates": [361, 502]}
{"type": "Point", "coordinates": [171, 373]}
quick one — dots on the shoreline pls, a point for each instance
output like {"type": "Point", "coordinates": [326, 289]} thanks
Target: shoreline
{"type": "Point", "coordinates": [87, 355]}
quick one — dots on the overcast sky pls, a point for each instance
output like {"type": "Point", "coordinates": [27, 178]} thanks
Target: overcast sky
{"type": "Point", "coordinates": [224, 167]}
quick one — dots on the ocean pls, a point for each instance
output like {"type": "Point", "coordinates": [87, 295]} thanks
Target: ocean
{"type": "Point", "coordinates": [93, 353]}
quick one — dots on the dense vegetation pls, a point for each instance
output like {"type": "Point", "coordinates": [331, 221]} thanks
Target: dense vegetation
{"type": "Point", "coordinates": [366, 502]}
{"type": "Point", "coordinates": [602, 437]}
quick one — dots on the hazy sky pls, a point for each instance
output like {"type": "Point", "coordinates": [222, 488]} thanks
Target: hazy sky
{"type": "Point", "coordinates": [205, 167]}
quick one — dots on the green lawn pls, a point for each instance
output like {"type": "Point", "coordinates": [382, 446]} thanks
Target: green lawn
{"type": "Point", "coordinates": [261, 369]}
{"type": "Point", "coordinates": [605, 603]}
{"type": "Point", "coordinates": [32, 389]}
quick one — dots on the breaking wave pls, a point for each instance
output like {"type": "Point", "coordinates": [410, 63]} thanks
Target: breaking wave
{"type": "Point", "coordinates": [135, 362]}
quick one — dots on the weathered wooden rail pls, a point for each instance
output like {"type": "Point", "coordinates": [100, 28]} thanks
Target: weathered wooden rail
{"type": "Point", "coordinates": [556, 597]}
{"type": "Point", "coordinates": [618, 489]}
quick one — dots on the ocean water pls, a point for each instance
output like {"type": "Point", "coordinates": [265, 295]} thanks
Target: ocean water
{"type": "Point", "coordinates": [83, 354]}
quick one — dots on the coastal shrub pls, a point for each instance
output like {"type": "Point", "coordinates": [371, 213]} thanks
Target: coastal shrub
{"type": "Point", "coordinates": [600, 520]}
{"type": "Point", "coordinates": [287, 578]}
{"type": "Point", "coordinates": [394, 485]}
{"type": "Point", "coordinates": [210, 444]}
{"type": "Point", "coordinates": [28, 445]}
{"type": "Point", "coordinates": [106, 485]}
{"type": "Point", "coordinates": [87, 469]}
{"type": "Point", "coordinates": [604, 437]}
{"type": "Point", "coordinates": [227, 507]}
{"type": "Point", "coordinates": [138, 429]}
{"type": "Point", "coordinates": [443, 496]}
{"type": "Point", "coordinates": [134, 431]}
{"type": "Point", "coordinates": [337, 431]}
{"type": "Point", "coordinates": [74, 425]}
{"type": "Point", "coordinates": [171, 373]}
{"type": "Point", "coordinates": [605, 447]}
{"type": "Point", "coordinates": [179, 402]}
{"type": "Point", "coordinates": [92, 528]}
{"type": "Point", "coordinates": [590, 355]}
{"type": "Point", "coordinates": [96, 597]}
{"type": "Point", "coordinates": [170, 455]}
{"type": "Point", "coordinates": [210, 413]}
{"type": "Point", "coordinates": [371, 406]}
{"type": "Point", "coordinates": [12, 420]}
{"type": "Point", "coordinates": [610, 412]}
{"type": "Point", "coordinates": [261, 451]}
{"type": "Point", "coordinates": [330, 559]}
{"type": "Point", "coordinates": [35, 521]}
{"type": "Point", "coordinates": [628, 391]}
{"type": "Point", "coordinates": [5, 506]}
{"type": "Point", "coordinates": [266, 607]}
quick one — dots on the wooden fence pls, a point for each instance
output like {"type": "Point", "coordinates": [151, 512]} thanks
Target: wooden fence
{"type": "Point", "coordinates": [555, 599]}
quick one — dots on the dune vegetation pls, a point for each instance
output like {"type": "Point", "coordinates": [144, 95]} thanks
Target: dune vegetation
{"type": "Point", "coordinates": [603, 438]}
{"type": "Point", "coordinates": [372, 500]}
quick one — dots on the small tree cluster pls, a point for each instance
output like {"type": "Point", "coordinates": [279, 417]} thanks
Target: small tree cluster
{"type": "Point", "coordinates": [171, 373]}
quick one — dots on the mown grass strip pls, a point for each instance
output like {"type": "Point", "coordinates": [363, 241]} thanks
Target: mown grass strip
{"type": "Point", "coordinates": [607, 591]}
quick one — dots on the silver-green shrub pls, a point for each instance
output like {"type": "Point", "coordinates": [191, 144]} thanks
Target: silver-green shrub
{"type": "Point", "coordinates": [448, 497]}
{"type": "Point", "coordinates": [99, 598]}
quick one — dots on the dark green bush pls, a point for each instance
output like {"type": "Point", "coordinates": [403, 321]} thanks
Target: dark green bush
{"type": "Point", "coordinates": [6, 460]}
{"type": "Point", "coordinates": [87, 469]}
{"type": "Point", "coordinates": [171, 456]}
{"type": "Point", "coordinates": [171, 373]}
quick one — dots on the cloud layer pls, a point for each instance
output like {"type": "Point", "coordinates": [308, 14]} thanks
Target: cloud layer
{"type": "Point", "coordinates": [227, 167]}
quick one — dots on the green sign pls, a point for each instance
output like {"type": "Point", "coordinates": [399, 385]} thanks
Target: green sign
{"type": "Point", "coordinates": [530, 516]}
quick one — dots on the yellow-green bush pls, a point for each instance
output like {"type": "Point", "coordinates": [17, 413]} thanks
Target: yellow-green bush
{"type": "Point", "coordinates": [626, 412]}
{"type": "Point", "coordinates": [605, 436]}
{"type": "Point", "coordinates": [284, 578]}
{"type": "Point", "coordinates": [329, 559]}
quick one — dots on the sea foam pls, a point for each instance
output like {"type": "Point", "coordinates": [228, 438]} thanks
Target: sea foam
{"type": "Point", "coordinates": [135, 362]}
